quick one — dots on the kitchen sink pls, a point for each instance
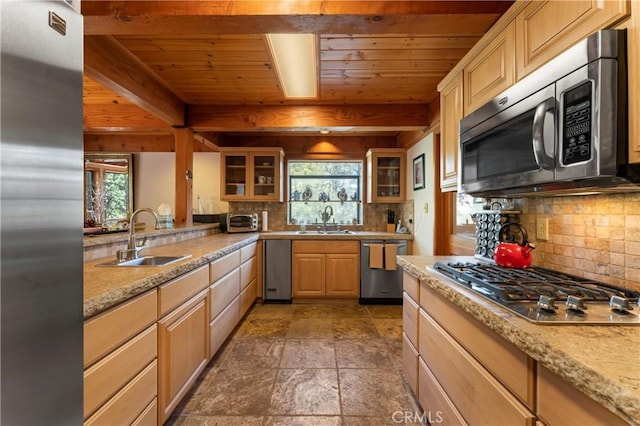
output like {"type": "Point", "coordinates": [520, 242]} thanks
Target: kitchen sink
{"type": "Point", "coordinates": [148, 261]}
{"type": "Point", "coordinates": [334, 232]}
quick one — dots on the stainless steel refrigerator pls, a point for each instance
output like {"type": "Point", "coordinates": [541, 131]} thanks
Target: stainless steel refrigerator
{"type": "Point", "coordinates": [41, 205]}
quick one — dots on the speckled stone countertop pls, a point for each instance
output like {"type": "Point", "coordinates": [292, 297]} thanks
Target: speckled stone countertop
{"type": "Point", "coordinates": [105, 287]}
{"type": "Point", "coordinates": [314, 235]}
{"type": "Point", "coordinates": [601, 361]}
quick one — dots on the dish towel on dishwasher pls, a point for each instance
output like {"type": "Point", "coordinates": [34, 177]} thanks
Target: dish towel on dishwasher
{"type": "Point", "coordinates": [390, 252]}
{"type": "Point", "coordinates": [375, 256]}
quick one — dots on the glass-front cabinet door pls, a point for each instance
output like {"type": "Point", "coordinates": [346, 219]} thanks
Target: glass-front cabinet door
{"type": "Point", "coordinates": [252, 175]}
{"type": "Point", "coordinates": [386, 175]}
{"type": "Point", "coordinates": [234, 176]}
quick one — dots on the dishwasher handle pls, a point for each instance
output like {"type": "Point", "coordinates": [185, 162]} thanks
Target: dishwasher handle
{"type": "Point", "coordinates": [398, 244]}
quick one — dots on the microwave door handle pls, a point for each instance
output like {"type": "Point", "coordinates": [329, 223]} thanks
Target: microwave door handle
{"type": "Point", "coordinates": [543, 159]}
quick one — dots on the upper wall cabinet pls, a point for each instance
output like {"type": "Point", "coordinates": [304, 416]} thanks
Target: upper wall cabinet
{"type": "Point", "coordinates": [546, 28]}
{"type": "Point", "coordinates": [492, 71]}
{"type": "Point", "coordinates": [451, 112]}
{"type": "Point", "coordinates": [254, 175]}
{"type": "Point", "coordinates": [386, 175]}
{"type": "Point", "coordinates": [632, 25]}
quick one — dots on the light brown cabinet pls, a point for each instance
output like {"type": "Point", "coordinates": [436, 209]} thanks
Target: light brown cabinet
{"type": "Point", "coordinates": [232, 291]}
{"type": "Point", "coordinates": [325, 269]}
{"type": "Point", "coordinates": [120, 377]}
{"type": "Point", "coordinates": [560, 404]}
{"type": "Point", "coordinates": [255, 175]}
{"type": "Point", "coordinates": [491, 71]}
{"type": "Point", "coordinates": [183, 337]}
{"type": "Point", "coordinates": [546, 28]}
{"type": "Point", "coordinates": [451, 112]}
{"type": "Point", "coordinates": [632, 25]}
{"type": "Point", "coordinates": [386, 168]}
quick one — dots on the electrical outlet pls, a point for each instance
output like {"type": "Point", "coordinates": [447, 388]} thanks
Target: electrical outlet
{"type": "Point", "coordinates": [542, 229]}
{"type": "Point", "coordinates": [426, 207]}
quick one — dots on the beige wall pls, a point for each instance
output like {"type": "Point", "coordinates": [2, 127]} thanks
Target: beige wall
{"type": "Point", "coordinates": [594, 236]}
{"type": "Point", "coordinates": [154, 181]}
{"type": "Point", "coordinates": [423, 199]}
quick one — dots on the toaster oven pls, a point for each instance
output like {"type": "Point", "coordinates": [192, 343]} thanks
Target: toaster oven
{"type": "Point", "coordinates": [238, 222]}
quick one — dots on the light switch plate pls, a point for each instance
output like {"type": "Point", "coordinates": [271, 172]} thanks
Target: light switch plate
{"type": "Point", "coordinates": [542, 229]}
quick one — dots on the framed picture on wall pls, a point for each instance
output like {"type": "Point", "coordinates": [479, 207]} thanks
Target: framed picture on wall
{"type": "Point", "coordinates": [418, 172]}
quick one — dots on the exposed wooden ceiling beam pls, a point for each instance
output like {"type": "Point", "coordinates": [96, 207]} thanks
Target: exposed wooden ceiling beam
{"type": "Point", "coordinates": [313, 16]}
{"type": "Point", "coordinates": [211, 141]}
{"type": "Point", "coordinates": [328, 117]}
{"type": "Point", "coordinates": [118, 142]}
{"type": "Point", "coordinates": [121, 118]}
{"type": "Point", "coordinates": [106, 62]}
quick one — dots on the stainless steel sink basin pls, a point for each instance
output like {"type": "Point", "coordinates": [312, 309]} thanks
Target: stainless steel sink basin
{"type": "Point", "coordinates": [340, 232]}
{"type": "Point", "coordinates": [149, 261]}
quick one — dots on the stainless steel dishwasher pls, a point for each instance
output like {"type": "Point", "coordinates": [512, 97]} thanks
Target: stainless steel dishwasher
{"type": "Point", "coordinates": [379, 285]}
{"type": "Point", "coordinates": [277, 271]}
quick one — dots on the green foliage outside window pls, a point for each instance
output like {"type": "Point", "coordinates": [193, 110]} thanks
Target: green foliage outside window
{"type": "Point", "coordinates": [314, 185]}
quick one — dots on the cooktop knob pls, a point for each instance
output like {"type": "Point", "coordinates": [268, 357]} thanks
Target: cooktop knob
{"type": "Point", "coordinates": [547, 303]}
{"type": "Point", "coordinates": [619, 303]}
{"type": "Point", "coordinates": [575, 303]}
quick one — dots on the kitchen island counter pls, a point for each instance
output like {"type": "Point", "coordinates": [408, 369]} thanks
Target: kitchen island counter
{"type": "Point", "coordinates": [601, 361]}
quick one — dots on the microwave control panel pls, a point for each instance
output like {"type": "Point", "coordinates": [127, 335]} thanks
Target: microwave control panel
{"type": "Point", "coordinates": [577, 113]}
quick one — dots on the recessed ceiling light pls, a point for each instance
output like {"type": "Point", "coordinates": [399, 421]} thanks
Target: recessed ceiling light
{"type": "Point", "coordinates": [296, 60]}
{"type": "Point", "coordinates": [324, 132]}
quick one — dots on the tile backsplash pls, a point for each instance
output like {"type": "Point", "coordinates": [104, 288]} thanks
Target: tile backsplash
{"type": "Point", "coordinates": [592, 236]}
{"type": "Point", "coordinates": [375, 214]}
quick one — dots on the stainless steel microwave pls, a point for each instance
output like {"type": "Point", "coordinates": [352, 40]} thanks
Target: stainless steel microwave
{"type": "Point", "coordinates": [239, 222]}
{"type": "Point", "coordinates": [563, 128]}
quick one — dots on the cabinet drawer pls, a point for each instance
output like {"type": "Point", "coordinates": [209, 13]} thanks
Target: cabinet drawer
{"type": "Point", "coordinates": [221, 267]}
{"type": "Point", "coordinates": [510, 365]}
{"type": "Point", "coordinates": [149, 416]}
{"type": "Point", "coordinates": [247, 297]}
{"type": "Point", "coordinates": [130, 402]}
{"type": "Point", "coordinates": [175, 292]}
{"type": "Point", "coordinates": [477, 395]}
{"type": "Point", "coordinates": [435, 402]}
{"type": "Point", "coordinates": [110, 374]}
{"type": "Point", "coordinates": [410, 311]}
{"type": "Point", "coordinates": [559, 403]}
{"type": "Point", "coordinates": [326, 247]}
{"type": "Point", "coordinates": [110, 329]}
{"type": "Point", "coordinates": [222, 326]}
{"type": "Point", "coordinates": [410, 363]}
{"type": "Point", "coordinates": [411, 285]}
{"type": "Point", "coordinates": [247, 252]}
{"type": "Point", "coordinates": [248, 272]}
{"type": "Point", "coordinates": [223, 292]}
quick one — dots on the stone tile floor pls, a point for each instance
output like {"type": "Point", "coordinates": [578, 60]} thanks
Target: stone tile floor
{"type": "Point", "coordinates": [306, 364]}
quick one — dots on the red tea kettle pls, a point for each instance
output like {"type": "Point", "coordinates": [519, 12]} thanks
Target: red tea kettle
{"type": "Point", "coordinates": [510, 253]}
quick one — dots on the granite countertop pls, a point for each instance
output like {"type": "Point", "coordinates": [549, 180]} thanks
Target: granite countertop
{"type": "Point", "coordinates": [107, 238]}
{"type": "Point", "coordinates": [601, 361]}
{"type": "Point", "coordinates": [314, 235]}
{"type": "Point", "coordinates": [105, 287]}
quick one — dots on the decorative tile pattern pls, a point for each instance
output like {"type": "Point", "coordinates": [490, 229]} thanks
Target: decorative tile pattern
{"type": "Point", "coordinates": [592, 236]}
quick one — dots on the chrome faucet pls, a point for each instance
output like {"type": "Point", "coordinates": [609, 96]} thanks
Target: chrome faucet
{"type": "Point", "coordinates": [325, 216]}
{"type": "Point", "coordinates": [133, 248]}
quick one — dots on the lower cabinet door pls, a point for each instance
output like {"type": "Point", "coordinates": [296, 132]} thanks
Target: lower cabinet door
{"type": "Point", "coordinates": [477, 395]}
{"type": "Point", "coordinates": [559, 403]}
{"type": "Point", "coordinates": [222, 325]}
{"type": "Point", "coordinates": [247, 297]}
{"type": "Point", "coordinates": [183, 350]}
{"type": "Point", "coordinates": [126, 406]}
{"type": "Point", "coordinates": [308, 275]}
{"type": "Point", "coordinates": [410, 363]}
{"type": "Point", "coordinates": [343, 275]}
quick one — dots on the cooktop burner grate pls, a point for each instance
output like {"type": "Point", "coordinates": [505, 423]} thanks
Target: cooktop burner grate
{"type": "Point", "coordinates": [509, 284]}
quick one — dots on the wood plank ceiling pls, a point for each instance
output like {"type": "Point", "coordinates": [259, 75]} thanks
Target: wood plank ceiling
{"type": "Point", "coordinates": [153, 66]}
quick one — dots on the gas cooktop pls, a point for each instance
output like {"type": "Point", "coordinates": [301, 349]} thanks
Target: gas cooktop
{"type": "Point", "coordinates": [546, 296]}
